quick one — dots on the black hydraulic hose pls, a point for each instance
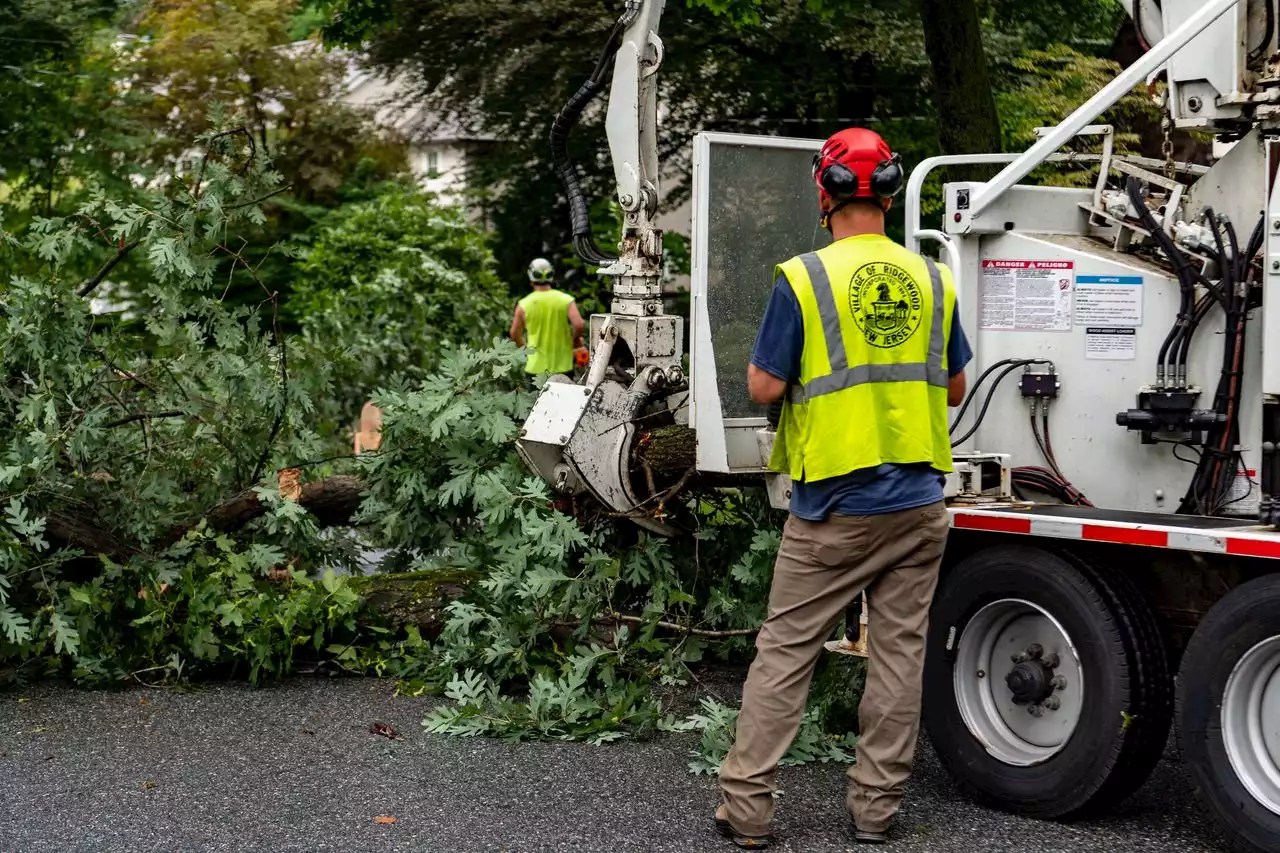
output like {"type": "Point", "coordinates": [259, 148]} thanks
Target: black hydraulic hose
{"type": "Point", "coordinates": [1180, 266]}
{"type": "Point", "coordinates": [567, 171]}
{"type": "Point", "coordinates": [987, 403]}
{"type": "Point", "coordinates": [1216, 472]}
{"type": "Point", "coordinates": [973, 391]}
{"type": "Point", "coordinates": [1227, 268]}
{"type": "Point", "coordinates": [579, 210]}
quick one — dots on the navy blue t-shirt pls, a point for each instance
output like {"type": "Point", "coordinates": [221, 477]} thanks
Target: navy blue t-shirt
{"type": "Point", "coordinates": [871, 491]}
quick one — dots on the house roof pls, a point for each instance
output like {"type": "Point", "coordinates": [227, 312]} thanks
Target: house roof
{"type": "Point", "coordinates": [391, 96]}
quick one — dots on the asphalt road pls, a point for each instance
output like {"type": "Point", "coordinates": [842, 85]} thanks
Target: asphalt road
{"type": "Point", "coordinates": [295, 768]}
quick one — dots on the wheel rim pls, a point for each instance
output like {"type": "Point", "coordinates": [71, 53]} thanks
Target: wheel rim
{"type": "Point", "coordinates": [1018, 682]}
{"type": "Point", "coordinates": [1251, 722]}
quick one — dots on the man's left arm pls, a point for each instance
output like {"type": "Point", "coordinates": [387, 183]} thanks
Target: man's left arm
{"type": "Point", "coordinates": [775, 361]}
{"type": "Point", "coordinates": [959, 354]}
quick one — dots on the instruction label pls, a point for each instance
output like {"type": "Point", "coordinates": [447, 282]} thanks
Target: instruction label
{"type": "Point", "coordinates": [1027, 296]}
{"type": "Point", "coordinates": [1109, 300]}
{"type": "Point", "coordinates": [1107, 344]}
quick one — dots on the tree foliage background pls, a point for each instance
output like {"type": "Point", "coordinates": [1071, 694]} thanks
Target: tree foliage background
{"type": "Point", "coordinates": [209, 262]}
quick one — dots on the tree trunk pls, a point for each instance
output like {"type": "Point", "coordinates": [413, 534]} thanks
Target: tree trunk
{"type": "Point", "coordinates": [415, 599]}
{"type": "Point", "coordinates": [669, 451]}
{"type": "Point", "coordinates": [333, 501]}
{"type": "Point", "coordinates": [965, 103]}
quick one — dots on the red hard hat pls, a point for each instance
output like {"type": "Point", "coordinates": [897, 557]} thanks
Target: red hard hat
{"type": "Point", "coordinates": [864, 153]}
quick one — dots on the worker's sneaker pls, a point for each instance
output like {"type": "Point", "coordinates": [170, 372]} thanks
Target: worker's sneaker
{"type": "Point", "coordinates": [746, 842]}
{"type": "Point", "coordinates": [867, 836]}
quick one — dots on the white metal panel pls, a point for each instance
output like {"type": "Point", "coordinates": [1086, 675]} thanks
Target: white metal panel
{"type": "Point", "coordinates": [1107, 462]}
{"type": "Point", "coordinates": [1029, 210]}
{"type": "Point", "coordinates": [1211, 65]}
{"type": "Point", "coordinates": [726, 427]}
{"type": "Point", "coordinates": [1234, 187]}
{"type": "Point", "coordinates": [556, 414]}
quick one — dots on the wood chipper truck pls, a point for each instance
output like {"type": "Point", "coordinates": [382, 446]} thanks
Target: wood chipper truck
{"type": "Point", "coordinates": [1114, 564]}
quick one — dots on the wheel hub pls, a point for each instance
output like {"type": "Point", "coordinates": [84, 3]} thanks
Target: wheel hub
{"type": "Point", "coordinates": [1018, 682]}
{"type": "Point", "coordinates": [1030, 682]}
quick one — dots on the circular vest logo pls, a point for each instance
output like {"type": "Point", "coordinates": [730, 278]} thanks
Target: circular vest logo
{"type": "Point", "coordinates": [887, 304]}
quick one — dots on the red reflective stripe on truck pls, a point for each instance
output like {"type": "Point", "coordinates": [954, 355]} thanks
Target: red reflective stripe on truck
{"type": "Point", "coordinates": [992, 523]}
{"type": "Point", "coordinates": [1126, 536]}
{"type": "Point", "coordinates": [1254, 548]}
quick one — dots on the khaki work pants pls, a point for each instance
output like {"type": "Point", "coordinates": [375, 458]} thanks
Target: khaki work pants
{"type": "Point", "coordinates": [821, 568]}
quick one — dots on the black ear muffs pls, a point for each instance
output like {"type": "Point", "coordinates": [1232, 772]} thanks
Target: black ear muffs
{"type": "Point", "coordinates": [837, 180]}
{"type": "Point", "coordinates": [841, 183]}
{"type": "Point", "coordinates": [887, 179]}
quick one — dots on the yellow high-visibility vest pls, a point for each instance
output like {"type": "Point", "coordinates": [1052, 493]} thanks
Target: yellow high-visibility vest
{"type": "Point", "coordinates": [873, 372]}
{"type": "Point", "coordinates": [550, 337]}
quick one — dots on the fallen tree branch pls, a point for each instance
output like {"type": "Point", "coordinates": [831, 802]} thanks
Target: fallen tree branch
{"type": "Point", "coordinates": [681, 629]}
{"type": "Point", "coordinates": [670, 626]}
{"type": "Point", "coordinates": [333, 501]}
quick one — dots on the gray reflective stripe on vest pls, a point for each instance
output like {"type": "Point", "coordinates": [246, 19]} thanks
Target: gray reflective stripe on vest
{"type": "Point", "coordinates": [842, 376]}
{"type": "Point", "coordinates": [937, 334]}
{"type": "Point", "coordinates": [821, 284]}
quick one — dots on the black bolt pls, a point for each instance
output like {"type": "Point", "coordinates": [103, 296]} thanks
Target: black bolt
{"type": "Point", "coordinates": [1020, 657]}
{"type": "Point", "coordinates": [1058, 683]}
{"type": "Point", "coordinates": [1053, 703]}
{"type": "Point", "coordinates": [1035, 651]}
{"type": "Point", "coordinates": [1035, 710]}
{"type": "Point", "coordinates": [1052, 661]}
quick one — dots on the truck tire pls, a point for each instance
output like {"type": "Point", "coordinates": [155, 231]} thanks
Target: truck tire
{"type": "Point", "coordinates": [1014, 627]}
{"type": "Point", "coordinates": [1229, 713]}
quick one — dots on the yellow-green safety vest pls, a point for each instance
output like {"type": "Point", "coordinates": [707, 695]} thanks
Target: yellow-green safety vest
{"type": "Point", "coordinates": [549, 335]}
{"type": "Point", "coordinates": [873, 372]}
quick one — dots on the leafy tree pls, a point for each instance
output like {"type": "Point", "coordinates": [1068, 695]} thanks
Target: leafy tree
{"type": "Point", "coordinates": [234, 64]}
{"type": "Point", "coordinates": [386, 286]}
{"type": "Point", "coordinates": [122, 444]}
{"type": "Point", "coordinates": [59, 105]}
{"type": "Point", "coordinates": [787, 67]}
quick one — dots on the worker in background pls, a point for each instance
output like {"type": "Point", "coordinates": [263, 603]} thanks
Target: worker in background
{"type": "Point", "coordinates": [551, 321]}
{"type": "Point", "coordinates": [861, 342]}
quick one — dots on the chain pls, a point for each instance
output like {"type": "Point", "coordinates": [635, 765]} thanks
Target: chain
{"type": "Point", "coordinates": [1171, 165]}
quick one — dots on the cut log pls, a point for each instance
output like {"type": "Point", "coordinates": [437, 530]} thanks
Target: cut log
{"type": "Point", "coordinates": [669, 451]}
{"type": "Point", "coordinates": [414, 598]}
{"type": "Point", "coordinates": [333, 501]}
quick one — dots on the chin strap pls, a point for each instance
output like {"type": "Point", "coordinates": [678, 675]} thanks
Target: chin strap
{"type": "Point", "coordinates": [826, 217]}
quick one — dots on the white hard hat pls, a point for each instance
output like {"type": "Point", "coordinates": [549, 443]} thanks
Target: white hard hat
{"type": "Point", "coordinates": [541, 271]}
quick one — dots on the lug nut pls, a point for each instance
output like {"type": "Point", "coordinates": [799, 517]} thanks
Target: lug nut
{"type": "Point", "coordinates": [1058, 683]}
{"type": "Point", "coordinates": [1053, 703]}
{"type": "Point", "coordinates": [1035, 710]}
{"type": "Point", "coordinates": [1035, 651]}
{"type": "Point", "coordinates": [1020, 657]}
{"type": "Point", "coordinates": [1052, 661]}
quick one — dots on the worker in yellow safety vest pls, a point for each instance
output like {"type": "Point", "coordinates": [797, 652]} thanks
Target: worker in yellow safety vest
{"type": "Point", "coordinates": [551, 322]}
{"type": "Point", "coordinates": [862, 345]}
